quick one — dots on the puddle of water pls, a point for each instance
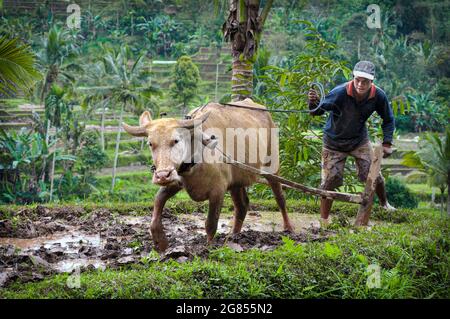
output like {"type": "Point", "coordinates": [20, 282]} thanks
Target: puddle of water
{"type": "Point", "coordinates": [134, 220]}
{"type": "Point", "coordinates": [70, 242]}
{"type": "Point", "coordinates": [198, 222]}
{"type": "Point", "coordinates": [263, 221]}
{"type": "Point", "coordinates": [4, 273]}
{"type": "Point", "coordinates": [69, 265]}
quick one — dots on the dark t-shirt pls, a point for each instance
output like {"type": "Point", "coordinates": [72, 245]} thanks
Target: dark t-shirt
{"type": "Point", "coordinates": [346, 128]}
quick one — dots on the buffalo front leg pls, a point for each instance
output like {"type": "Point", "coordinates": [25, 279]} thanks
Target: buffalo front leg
{"type": "Point", "coordinates": [241, 204]}
{"type": "Point", "coordinates": [215, 205]}
{"type": "Point", "coordinates": [281, 201]}
{"type": "Point", "coordinates": [156, 227]}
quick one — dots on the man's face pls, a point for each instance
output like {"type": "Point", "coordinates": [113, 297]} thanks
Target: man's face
{"type": "Point", "coordinates": [362, 85]}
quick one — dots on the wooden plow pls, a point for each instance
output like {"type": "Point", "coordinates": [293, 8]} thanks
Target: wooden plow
{"type": "Point", "coordinates": [365, 200]}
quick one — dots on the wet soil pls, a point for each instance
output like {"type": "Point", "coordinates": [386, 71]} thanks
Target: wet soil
{"type": "Point", "coordinates": [38, 242]}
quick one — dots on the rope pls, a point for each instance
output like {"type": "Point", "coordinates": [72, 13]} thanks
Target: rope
{"type": "Point", "coordinates": [317, 84]}
{"type": "Point", "coordinates": [322, 97]}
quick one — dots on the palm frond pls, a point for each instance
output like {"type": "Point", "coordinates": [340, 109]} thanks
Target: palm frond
{"type": "Point", "coordinates": [17, 69]}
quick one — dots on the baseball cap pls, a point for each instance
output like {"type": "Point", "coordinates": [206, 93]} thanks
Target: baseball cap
{"type": "Point", "coordinates": [364, 69]}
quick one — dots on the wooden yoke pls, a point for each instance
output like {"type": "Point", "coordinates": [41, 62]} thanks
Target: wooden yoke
{"type": "Point", "coordinates": [362, 219]}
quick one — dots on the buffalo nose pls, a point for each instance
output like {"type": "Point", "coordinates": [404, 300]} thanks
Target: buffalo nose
{"type": "Point", "coordinates": [163, 174]}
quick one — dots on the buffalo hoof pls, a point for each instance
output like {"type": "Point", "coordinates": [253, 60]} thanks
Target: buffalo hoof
{"type": "Point", "coordinates": [289, 228]}
{"type": "Point", "coordinates": [209, 239]}
{"type": "Point", "coordinates": [161, 245]}
{"type": "Point", "coordinates": [160, 241]}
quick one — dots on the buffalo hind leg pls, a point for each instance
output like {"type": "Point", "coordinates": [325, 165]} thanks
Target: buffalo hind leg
{"type": "Point", "coordinates": [241, 204]}
{"type": "Point", "coordinates": [281, 201]}
{"type": "Point", "coordinates": [215, 205]}
{"type": "Point", "coordinates": [156, 227]}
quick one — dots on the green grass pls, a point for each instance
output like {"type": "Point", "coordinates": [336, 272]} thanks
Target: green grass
{"type": "Point", "coordinates": [13, 103]}
{"type": "Point", "coordinates": [131, 121]}
{"type": "Point", "coordinates": [127, 159]}
{"type": "Point", "coordinates": [413, 258]}
{"type": "Point", "coordinates": [129, 187]}
{"type": "Point", "coordinates": [422, 191]}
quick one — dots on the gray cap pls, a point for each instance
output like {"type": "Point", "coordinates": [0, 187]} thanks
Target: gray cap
{"type": "Point", "coordinates": [364, 69]}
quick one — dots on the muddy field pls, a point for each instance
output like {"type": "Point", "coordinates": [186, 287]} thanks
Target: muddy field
{"type": "Point", "coordinates": [38, 242]}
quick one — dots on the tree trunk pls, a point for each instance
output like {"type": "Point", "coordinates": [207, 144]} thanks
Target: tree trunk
{"type": "Point", "coordinates": [448, 192]}
{"type": "Point", "coordinates": [433, 196]}
{"type": "Point", "coordinates": [217, 83]}
{"type": "Point", "coordinates": [52, 176]}
{"type": "Point", "coordinates": [102, 130]}
{"type": "Point", "coordinates": [116, 153]}
{"type": "Point", "coordinates": [242, 79]}
{"type": "Point", "coordinates": [44, 162]}
{"type": "Point", "coordinates": [243, 28]}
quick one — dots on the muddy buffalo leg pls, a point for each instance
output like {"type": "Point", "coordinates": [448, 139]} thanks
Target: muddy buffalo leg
{"type": "Point", "coordinates": [158, 235]}
{"type": "Point", "coordinates": [241, 204]}
{"type": "Point", "coordinates": [279, 197]}
{"type": "Point", "coordinates": [215, 205]}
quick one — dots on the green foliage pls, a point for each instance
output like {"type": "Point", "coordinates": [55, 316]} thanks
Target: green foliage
{"type": "Point", "coordinates": [399, 195]}
{"type": "Point", "coordinates": [17, 70]}
{"type": "Point", "coordinates": [126, 79]}
{"type": "Point", "coordinates": [433, 158]}
{"type": "Point", "coordinates": [286, 88]}
{"type": "Point", "coordinates": [56, 57]}
{"type": "Point", "coordinates": [57, 110]}
{"type": "Point", "coordinates": [160, 33]}
{"type": "Point", "coordinates": [91, 155]}
{"type": "Point", "coordinates": [186, 79]}
{"type": "Point", "coordinates": [426, 114]}
{"type": "Point", "coordinates": [21, 165]}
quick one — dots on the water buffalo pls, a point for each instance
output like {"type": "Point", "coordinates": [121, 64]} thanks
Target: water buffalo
{"type": "Point", "coordinates": [175, 168]}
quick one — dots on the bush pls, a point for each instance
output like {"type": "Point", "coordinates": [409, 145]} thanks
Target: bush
{"type": "Point", "coordinates": [399, 195]}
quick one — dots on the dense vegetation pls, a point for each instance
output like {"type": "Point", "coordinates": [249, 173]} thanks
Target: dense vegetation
{"type": "Point", "coordinates": [84, 71]}
{"type": "Point", "coordinates": [131, 56]}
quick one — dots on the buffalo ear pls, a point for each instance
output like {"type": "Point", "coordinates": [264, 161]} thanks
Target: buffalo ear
{"type": "Point", "coordinates": [145, 119]}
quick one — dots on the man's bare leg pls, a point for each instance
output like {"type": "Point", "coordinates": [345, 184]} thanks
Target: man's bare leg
{"type": "Point", "coordinates": [380, 190]}
{"type": "Point", "coordinates": [325, 208]}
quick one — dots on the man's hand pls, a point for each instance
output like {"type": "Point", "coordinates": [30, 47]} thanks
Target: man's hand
{"type": "Point", "coordinates": [312, 96]}
{"type": "Point", "coordinates": [387, 150]}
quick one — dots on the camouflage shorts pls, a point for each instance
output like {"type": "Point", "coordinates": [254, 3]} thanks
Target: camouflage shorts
{"type": "Point", "coordinates": [333, 163]}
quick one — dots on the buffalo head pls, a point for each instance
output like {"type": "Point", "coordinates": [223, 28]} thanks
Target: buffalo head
{"type": "Point", "coordinates": [171, 143]}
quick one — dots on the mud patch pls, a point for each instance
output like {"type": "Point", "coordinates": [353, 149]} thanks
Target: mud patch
{"type": "Point", "coordinates": [39, 242]}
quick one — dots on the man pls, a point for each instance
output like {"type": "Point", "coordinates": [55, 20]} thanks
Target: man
{"type": "Point", "coordinates": [345, 133]}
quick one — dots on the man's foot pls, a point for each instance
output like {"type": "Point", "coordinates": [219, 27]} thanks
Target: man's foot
{"type": "Point", "coordinates": [389, 207]}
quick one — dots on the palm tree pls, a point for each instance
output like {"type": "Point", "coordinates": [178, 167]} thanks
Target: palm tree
{"type": "Point", "coordinates": [95, 90]}
{"type": "Point", "coordinates": [243, 28]}
{"type": "Point", "coordinates": [433, 158]}
{"type": "Point", "coordinates": [127, 87]}
{"type": "Point", "coordinates": [17, 69]}
{"type": "Point", "coordinates": [55, 58]}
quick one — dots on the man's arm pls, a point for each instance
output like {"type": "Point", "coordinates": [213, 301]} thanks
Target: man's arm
{"type": "Point", "coordinates": [327, 104]}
